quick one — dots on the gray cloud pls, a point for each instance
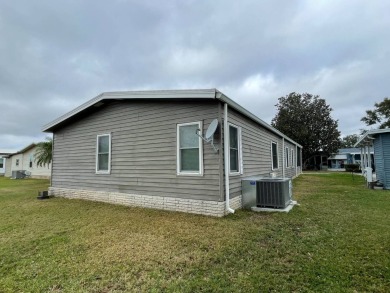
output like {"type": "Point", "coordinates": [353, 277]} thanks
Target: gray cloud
{"type": "Point", "coordinates": [55, 55]}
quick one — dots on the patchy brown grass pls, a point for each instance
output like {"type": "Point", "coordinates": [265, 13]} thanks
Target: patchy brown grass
{"type": "Point", "coordinates": [336, 241]}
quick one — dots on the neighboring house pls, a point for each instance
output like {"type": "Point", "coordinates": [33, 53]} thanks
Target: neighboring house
{"type": "Point", "coordinates": [347, 156]}
{"type": "Point", "coordinates": [379, 139]}
{"type": "Point", "coordinates": [25, 160]}
{"type": "Point", "coordinates": [316, 162]}
{"type": "Point", "coordinates": [141, 149]}
{"type": "Point", "coordinates": [4, 154]}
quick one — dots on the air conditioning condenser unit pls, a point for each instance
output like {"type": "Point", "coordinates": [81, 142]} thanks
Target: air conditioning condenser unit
{"type": "Point", "coordinates": [273, 193]}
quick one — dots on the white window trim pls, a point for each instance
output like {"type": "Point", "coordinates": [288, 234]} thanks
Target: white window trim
{"type": "Point", "coordinates": [109, 154]}
{"type": "Point", "coordinates": [287, 161]}
{"type": "Point", "coordinates": [272, 156]}
{"type": "Point", "coordinates": [240, 160]}
{"type": "Point", "coordinates": [189, 173]}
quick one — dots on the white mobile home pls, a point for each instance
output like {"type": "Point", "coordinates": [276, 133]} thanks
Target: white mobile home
{"type": "Point", "coordinates": [24, 160]}
{"type": "Point", "coordinates": [4, 155]}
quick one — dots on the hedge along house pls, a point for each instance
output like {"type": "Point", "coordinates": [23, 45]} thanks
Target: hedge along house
{"type": "Point", "coordinates": [380, 140]}
{"type": "Point", "coordinates": [141, 148]}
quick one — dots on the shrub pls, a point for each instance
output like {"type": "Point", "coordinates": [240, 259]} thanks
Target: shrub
{"type": "Point", "coordinates": [352, 168]}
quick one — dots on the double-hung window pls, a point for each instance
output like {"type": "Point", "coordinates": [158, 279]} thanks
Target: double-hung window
{"type": "Point", "coordinates": [103, 154]}
{"type": "Point", "coordinates": [287, 158]}
{"type": "Point", "coordinates": [235, 154]}
{"type": "Point", "coordinates": [189, 149]}
{"type": "Point", "coordinates": [274, 155]}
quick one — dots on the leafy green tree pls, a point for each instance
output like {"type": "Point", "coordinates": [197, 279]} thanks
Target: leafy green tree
{"type": "Point", "coordinates": [43, 153]}
{"type": "Point", "coordinates": [349, 141]}
{"type": "Point", "coordinates": [380, 114]}
{"type": "Point", "coordinates": [306, 119]}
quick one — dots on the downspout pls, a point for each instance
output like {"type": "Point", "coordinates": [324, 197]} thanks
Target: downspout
{"type": "Point", "coordinates": [226, 153]}
{"type": "Point", "coordinates": [385, 185]}
{"type": "Point", "coordinates": [283, 157]}
{"type": "Point", "coordinates": [52, 156]}
{"type": "Point", "coordinates": [296, 160]}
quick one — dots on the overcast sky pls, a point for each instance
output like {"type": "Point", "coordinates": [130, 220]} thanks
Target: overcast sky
{"type": "Point", "coordinates": [55, 55]}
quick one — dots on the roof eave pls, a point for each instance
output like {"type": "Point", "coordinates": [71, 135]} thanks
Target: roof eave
{"type": "Point", "coordinates": [362, 139]}
{"type": "Point", "coordinates": [128, 95]}
{"type": "Point", "coordinates": [220, 96]}
{"type": "Point", "coordinates": [164, 94]}
{"type": "Point", "coordinates": [25, 149]}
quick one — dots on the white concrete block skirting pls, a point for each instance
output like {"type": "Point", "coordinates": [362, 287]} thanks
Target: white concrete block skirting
{"type": "Point", "coordinates": [204, 207]}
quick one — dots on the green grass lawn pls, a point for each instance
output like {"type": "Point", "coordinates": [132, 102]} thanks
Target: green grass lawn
{"type": "Point", "coordinates": [337, 240]}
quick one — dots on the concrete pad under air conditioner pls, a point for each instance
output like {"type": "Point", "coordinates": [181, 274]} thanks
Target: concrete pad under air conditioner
{"type": "Point", "coordinates": [285, 210]}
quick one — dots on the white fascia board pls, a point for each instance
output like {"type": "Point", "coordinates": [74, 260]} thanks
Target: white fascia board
{"type": "Point", "coordinates": [360, 140]}
{"type": "Point", "coordinates": [163, 94]}
{"type": "Point", "coordinates": [370, 132]}
{"type": "Point", "coordinates": [157, 94]}
{"type": "Point", "coordinates": [73, 112]}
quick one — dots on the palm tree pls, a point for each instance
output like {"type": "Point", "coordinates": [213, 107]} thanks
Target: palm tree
{"type": "Point", "coordinates": [43, 153]}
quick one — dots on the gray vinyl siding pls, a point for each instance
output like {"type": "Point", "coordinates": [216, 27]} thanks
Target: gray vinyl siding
{"type": "Point", "coordinates": [143, 157]}
{"type": "Point", "coordinates": [290, 171]}
{"type": "Point", "coordinates": [382, 159]}
{"type": "Point", "coordinates": [256, 151]}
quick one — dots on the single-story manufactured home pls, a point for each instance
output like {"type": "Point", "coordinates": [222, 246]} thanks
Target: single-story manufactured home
{"type": "Point", "coordinates": [4, 155]}
{"type": "Point", "coordinates": [180, 150]}
{"type": "Point", "coordinates": [24, 160]}
{"type": "Point", "coordinates": [379, 139]}
{"type": "Point", "coordinates": [347, 156]}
